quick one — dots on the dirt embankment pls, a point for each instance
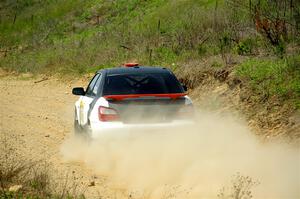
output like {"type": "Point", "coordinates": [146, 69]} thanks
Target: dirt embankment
{"type": "Point", "coordinates": [218, 89]}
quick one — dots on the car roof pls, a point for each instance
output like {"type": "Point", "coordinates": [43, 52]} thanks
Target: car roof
{"type": "Point", "coordinates": [134, 70]}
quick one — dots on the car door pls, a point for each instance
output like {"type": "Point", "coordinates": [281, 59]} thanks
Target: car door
{"type": "Point", "coordinates": [87, 99]}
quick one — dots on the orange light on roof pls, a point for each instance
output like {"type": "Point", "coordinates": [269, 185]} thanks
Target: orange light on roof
{"type": "Point", "coordinates": [131, 64]}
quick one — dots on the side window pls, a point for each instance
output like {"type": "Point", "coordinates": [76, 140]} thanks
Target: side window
{"type": "Point", "coordinates": [89, 90]}
{"type": "Point", "coordinates": [97, 84]}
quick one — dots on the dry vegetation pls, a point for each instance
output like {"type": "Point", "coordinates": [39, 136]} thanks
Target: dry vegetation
{"type": "Point", "coordinates": [23, 178]}
{"type": "Point", "coordinates": [240, 188]}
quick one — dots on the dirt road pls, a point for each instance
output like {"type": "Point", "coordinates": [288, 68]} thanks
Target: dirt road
{"type": "Point", "coordinates": [35, 119]}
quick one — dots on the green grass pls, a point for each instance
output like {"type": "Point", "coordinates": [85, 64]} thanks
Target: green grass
{"type": "Point", "coordinates": [53, 34]}
{"type": "Point", "coordinates": [57, 36]}
{"type": "Point", "coordinates": [156, 33]}
{"type": "Point", "coordinates": [273, 77]}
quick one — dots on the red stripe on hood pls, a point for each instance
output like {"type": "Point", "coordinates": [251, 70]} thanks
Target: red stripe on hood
{"type": "Point", "coordinates": [122, 97]}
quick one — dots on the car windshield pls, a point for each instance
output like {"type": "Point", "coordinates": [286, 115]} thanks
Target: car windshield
{"type": "Point", "coordinates": [152, 83]}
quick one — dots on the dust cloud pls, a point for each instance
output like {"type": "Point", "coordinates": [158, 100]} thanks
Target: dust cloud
{"type": "Point", "coordinates": [198, 161]}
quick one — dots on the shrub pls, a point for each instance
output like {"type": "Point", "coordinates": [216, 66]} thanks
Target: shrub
{"type": "Point", "coordinates": [280, 49]}
{"type": "Point", "coordinates": [241, 188]}
{"type": "Point", "coordinates": [245, 47]}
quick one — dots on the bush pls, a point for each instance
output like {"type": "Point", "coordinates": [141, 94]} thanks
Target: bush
{"type": "Point", "coordinates": [245, 47]}
{"type": "Point", "coordinates": [280, 49]}
{"type": "Point", "coordinates": [241, 188]}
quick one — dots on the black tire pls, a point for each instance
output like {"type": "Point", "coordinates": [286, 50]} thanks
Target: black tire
{"type": "Point", "coordinates": [81, 131]}
{"type": "Point", "coordinates": [77, 129]}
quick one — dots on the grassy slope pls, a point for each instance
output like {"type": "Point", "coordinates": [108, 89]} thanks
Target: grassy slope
{"type": "Point", "coordinates": [77, 37]}
{"type": "Point", "coordinates": [60, 35]}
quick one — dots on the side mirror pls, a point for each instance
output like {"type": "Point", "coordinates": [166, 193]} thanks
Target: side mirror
{"type": "Point", "coordinates": [78, 91]}
{"type": "Point", "coordinates": [184, 87]}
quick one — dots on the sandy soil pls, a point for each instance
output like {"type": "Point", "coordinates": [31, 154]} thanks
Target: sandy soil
{"type": "Point", "coordinates": [36, 118]}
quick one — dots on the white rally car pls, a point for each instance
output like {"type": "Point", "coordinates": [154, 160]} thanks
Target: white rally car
{"type": "Point", "coordinates": [131, 97]}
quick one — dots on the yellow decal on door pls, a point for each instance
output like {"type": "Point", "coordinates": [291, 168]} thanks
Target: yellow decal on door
{"type": "Point", "coordinates": [81, 112]}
